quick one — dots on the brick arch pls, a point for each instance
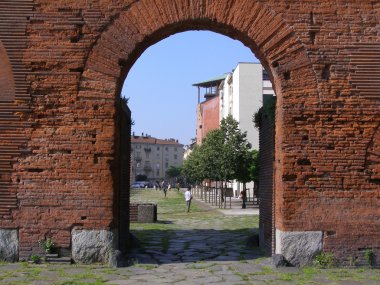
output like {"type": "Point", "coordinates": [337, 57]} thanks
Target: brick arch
{"type": "Point", "coordinates": [7, 84]}
{"type": "Point", "coordinates": [261, 29]}
{"type": "Point", "coordinates": [69, 59]}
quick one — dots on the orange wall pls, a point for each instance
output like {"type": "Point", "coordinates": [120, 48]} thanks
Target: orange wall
{"type": "Point", "coordinates": [207, 117]}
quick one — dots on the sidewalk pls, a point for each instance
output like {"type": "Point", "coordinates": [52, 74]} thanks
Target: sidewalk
{"type": "Point", "coordinates": [236, 206]}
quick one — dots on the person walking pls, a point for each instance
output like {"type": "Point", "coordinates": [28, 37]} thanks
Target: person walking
{"type": "Point", "coordinates": [164, 187]}
{"type": "Point", "coordinates": [188, 198]}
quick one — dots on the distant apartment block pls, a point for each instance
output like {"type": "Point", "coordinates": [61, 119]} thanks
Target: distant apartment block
{"type": "Point", "coordinates": [152, 156]}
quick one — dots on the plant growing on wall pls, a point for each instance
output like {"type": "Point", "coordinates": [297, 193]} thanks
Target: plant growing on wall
{"type": "Point", "coordinates": [369, 256]}
{"type": "Point", "coordinates": [268, 110]}
{"type": "Point", "coordinates": [324, 260]}
{"type": "Point", "coordinates": [35, 258]}
{"type": "Point", "coordinates": [46, 245]}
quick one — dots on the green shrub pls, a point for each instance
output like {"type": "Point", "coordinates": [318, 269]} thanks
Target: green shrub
{"type": "Point", "coordinates": [368, 255]}
{"type": "Point", "coordinates": [35, 258]}
{"type": "Point", "coordinates": [46, 244]}
{"type": "Point", "coordinates": [324, 260]}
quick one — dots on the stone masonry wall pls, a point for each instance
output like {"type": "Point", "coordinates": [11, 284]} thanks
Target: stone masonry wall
{"type": "Point", "coordinates": [69, 58]}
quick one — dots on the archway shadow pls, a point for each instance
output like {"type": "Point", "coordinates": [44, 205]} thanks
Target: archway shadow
{"type": "Point", "coordinates": [194, 245]}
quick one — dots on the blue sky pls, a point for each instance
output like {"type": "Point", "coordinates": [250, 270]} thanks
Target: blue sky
{"type": "Point", "coordinates": [159, 85]}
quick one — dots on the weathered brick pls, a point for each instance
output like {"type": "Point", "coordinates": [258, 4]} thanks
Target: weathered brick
{"type": "Point", "coordinates": [59, 140]}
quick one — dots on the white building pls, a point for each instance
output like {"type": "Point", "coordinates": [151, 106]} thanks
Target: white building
{"type": "Point", "coordinates": [241, 95]}
{"type": "Point", "coordinates": [189, 148]}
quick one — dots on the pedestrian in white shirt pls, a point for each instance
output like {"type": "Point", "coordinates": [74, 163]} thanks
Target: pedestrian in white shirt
{"type": "Point", "coordinates": [188, 198]}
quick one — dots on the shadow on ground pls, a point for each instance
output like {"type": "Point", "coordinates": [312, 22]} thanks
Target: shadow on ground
{"type": "Point", "coordinates": [195, 245]}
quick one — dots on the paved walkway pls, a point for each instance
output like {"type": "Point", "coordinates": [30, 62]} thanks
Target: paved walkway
{"type": "Point", "coordinates": [203, 252]}
{"type": "Point", "coordinates": [233, 206]}
{"type": "Point", "coordinates": [235, 210]}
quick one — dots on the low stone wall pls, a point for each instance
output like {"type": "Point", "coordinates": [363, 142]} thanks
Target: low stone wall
{"type": "Point", "coordinates": [143, 213]}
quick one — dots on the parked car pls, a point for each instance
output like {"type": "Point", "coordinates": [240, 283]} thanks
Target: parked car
{"type": "Point", "coordinates": [141, 184]}
{"type": "Point", "coordinates": [137, 185]}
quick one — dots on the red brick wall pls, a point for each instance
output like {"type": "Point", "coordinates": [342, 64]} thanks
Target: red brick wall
{"type": "Point", "coordinates": [133, 212]}
{"type": "Point", "coordinates": [72, 56]}
{"type": "Point", "coordinates": [208, 118]}
{"type": "Point", "coordinates": [15, 114]}
{"type": "Point", "coordinates": [6, 76]}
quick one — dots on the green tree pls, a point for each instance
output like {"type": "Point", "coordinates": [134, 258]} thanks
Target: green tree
{"type": "Point", "coordinates": [141, 177]}
{"type": "Point", "coordinates": [235, 149]}
{"type": "Point", "coordinates": [222, 156]}
{"type": "Point", "coordinates": [211, 151]}
{"type": "Point", "coordinates": [173, 172]}
{"type": "Point", "coordinates": [249, 167]}
{"type": "Point", "coordinates": [193, 168]}
{"type": "Point", "coordinates": [254, 167]}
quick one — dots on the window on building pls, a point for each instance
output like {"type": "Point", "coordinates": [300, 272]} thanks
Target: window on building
{"type": "Point", "coordinates": [166, 148]}
{"type": "Point", "coordinates": [166, 164]}
{"type": "Point", "coordinates": [175, 156]}
{"type": "Point", "coordinates": [158, 148]}
{"type": "Point", "coordinates": [158, 173]}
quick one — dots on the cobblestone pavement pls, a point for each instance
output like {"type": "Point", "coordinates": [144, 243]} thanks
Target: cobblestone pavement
{"type": "Point", "coordinates": [205, 246]}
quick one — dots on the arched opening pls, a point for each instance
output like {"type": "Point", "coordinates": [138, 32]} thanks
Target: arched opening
{"type": "Point", "coordinates": [282, 55]}
{"type": "Point", "coordinates": [267, 212]}
{"type": "Point", "coordinates": [158, 86]}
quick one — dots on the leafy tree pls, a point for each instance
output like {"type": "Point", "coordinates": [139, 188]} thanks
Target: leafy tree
{"type": "Point", "coordinates": [173, 172]}
{"type": "Point", "coordinates": [254, 166]}
{"type": "Point", "coordinates": [193, 168]}
{"type": "Point", "coordinates": [211, 151]}
{"type": "Point", "coordinates": [249, 167]}
{"type": "Point", "coordinates": [235, 150]}
{"type": "Point", "coordinates": [141, 177]}
{"type": "Point", "coordinates": [223, 155]}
